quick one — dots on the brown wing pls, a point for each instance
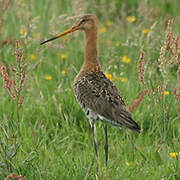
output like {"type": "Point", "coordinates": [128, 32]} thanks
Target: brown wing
{"type": "Point", "coordinates": [96, 92]}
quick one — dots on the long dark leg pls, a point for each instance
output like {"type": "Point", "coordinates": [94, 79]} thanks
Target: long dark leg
{"type": "Point", "coordinates": [106, 143]}
{"type": "Point", "coordinates": [95, 138]}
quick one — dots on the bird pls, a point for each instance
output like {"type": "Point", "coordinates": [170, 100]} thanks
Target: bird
{"type": "Point", "coordinates": [98, 97]}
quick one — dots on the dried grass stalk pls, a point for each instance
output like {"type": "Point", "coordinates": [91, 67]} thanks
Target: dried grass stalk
{"type": "Point", "coordinates": [135, 103]}
{"type": "Point", "coordinates": [14, 82]}
{"type": "Point", "coordinates": [15, 176]}
{"type": "Point", "coordinates": [141, 68]}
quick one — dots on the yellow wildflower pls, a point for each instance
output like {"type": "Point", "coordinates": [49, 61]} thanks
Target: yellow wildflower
{"type": "Point", "coordinates": [63, 72]}
{"type": "Point", "coordinates": [166, 93]}
{"type": "Point", "coordinates": [128, 163]}
{"type": "Point", "coordinates": [23, 31]}
{"type": "Point", "coordinates": [47, 77]}
{"type": "Point", "coordinates": [63, 56]}
{"type": "Point", "coordinates": [32, 56]}
{"type": "Point", "coordinates": [103, 30]}
{"type": "Point", "coordinates": [122, 79]}
{"type": "Point", "coordinates": [131, 19]}
{"type": "Point", "coordinates": [126, 59]}
{"type": "Point", "coordinates": [145, 31]}
{"type": "Point", "coordinates": [109, 76]}
{"type": "Point", "coordinates": [174, 154]}
{"type": "Point", "coordinates": [109, 23]}
{"type": "Point", "coordinates": [117, 43]}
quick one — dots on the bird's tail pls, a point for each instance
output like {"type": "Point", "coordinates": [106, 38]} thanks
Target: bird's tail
{"type": "Point", "coordinates": [127, 121]}
{"type": "Point", "coordinates": [134, 126]}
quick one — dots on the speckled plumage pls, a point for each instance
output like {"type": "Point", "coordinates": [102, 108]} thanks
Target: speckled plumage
{"type": "Point", "coordinates": [97, 95]}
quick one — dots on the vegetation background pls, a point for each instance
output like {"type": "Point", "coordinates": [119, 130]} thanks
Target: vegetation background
{"type": "Point", "coordinates": [43, 132]}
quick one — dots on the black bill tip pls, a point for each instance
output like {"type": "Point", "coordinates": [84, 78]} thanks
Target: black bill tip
{"type": "Point", "coordinates": [48, 40]}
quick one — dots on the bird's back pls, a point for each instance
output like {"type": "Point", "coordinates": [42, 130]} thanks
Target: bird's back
{"type": "Point", "coordinates": [101, 100]}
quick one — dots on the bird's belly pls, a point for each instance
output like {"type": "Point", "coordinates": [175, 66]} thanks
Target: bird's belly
{"type": "Point", "coordinates": [92, 116]}
{"type": "Point", "coordinates": [105, 120]}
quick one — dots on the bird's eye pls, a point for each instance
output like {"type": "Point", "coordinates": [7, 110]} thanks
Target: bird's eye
{"type": "Point", "coordinates": [83, 21]}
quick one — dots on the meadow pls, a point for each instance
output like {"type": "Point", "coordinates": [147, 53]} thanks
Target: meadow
{"type": "Point", "coordinates": [44, 134]}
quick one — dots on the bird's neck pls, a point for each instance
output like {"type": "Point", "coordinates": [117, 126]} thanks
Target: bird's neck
{"type": "Point", "coordinates": [91, 52]}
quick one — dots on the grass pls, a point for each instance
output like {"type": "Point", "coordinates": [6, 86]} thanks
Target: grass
{"type": "Point", "coordinates": [43, 132]}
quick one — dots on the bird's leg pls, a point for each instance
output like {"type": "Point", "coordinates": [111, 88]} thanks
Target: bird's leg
{"type": "Point", "coordinates": [106, 142]}
{"type": "Point", "coordinates": [94, 138]}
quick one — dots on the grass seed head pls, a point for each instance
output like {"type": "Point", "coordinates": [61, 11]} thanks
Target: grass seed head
{"type": "Point", "coordinates": [141, 68]}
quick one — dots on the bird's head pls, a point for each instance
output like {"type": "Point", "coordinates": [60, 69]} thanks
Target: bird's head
{"type": "Point", "coordinates": [86, 23]}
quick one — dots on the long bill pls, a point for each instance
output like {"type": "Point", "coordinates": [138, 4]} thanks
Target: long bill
{"type": "Point", "coordinates": [72, 29]}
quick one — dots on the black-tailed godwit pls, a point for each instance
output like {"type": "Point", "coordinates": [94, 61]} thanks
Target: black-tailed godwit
{"type": "Point", "coordinates": [98, 96]}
